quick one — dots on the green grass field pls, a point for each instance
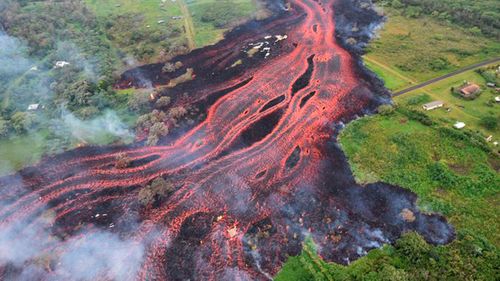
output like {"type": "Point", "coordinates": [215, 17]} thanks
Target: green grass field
{"type": "Point", "coordinates": [18, 152]}
{"type": "Point", "coordinates": [423, 48]}
{"type": "Point", "coordinates": [207, 33]}
{"type": "Point", "coordinates": [194, 31]}
{"type": "Point", "coordinates": [467, 111]}
{"type": "Point", "coordinates": [451, 176]}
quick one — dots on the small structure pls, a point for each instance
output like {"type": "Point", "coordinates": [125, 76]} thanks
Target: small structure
{"type": "Point", "coordinates": [489, 139]}
{"type": "Point", "coordinates": [161, 21]}
{"type": "Point", "coordinates": [33, 107]}
{"type": "Point", "coordinates": [459, 125]}
{"type": "Point", "coordinates": [497, 98]}
{"type": "Point", "coordinates": [61, 64]}
{"type": "Point", "coordinates": [433, 105]}
{"type": "Point", "coordinates": [470, 90]}
{"type": "Point", "coordinates": [491, 85]}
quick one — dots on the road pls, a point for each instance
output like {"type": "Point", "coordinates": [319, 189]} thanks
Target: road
{"type": "Point", "coordinates": [188, 25]}
{"type": "Point", "coordinates": [437, 79]}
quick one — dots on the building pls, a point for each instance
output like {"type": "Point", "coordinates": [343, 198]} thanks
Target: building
{"type": "Point", "coordinates": [61, 64]}
{"type": "Point", "coordinates": [433, 105]}
{"type": "Point", "coordinates": [470, 90]}
{"type": "Point", "coordinates": [459, 125]}
{"type": "Point", "coordinates": [33, 107]}
{"type": "Point", "coordinates": [491, 85]}
{"type": "Point", "coordinates": [497, 99]}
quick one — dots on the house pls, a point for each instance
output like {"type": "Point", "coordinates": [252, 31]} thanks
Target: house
{"type": "Point", "coordinates": [433, 105]}
{"type": "Point", "coordinates": [470, 90]}
{"type": "Point", "coordinates": [497, 99]}
{"type": "Point", "coordinates": [33, 107]}
{"type": "Point", "coordinates": [61, 64]}
{"type": "Point", "coordinates": [491, 85]}
{"type": "Point", "coordinates": [459, 125]}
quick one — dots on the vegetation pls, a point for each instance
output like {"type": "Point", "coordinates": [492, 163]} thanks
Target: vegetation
{"type": "Point", "coordinates": [456, 108]}
{"type": "Point", "coordinates": [93, 41]}
{"type": "Point", "coordinates": [477, 16]}
{"type": "Point", "coordinates": [412, 49]}
{"type": "Point", "coordinates": [157, 189]}
{"type": "Point", "coordinates": [452, 172]}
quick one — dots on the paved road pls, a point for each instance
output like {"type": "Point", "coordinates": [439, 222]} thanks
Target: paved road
{"type": "Point", "coordinates": [432, 81]}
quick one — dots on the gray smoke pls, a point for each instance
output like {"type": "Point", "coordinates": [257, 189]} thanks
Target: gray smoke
{"type": "Point", "coordinates": [91, 131]}
{"type": "Point", "coordinates": [30, 246]}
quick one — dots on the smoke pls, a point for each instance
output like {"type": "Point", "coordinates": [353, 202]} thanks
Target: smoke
{"type": "Point", "coordinates": [94, 130]}
{"type": "Point", "coordinates": [100, 254]}
{"type": "Point", "coordinates": [12, 57]}
{"type": "Point", "coordinates": [32, 252]}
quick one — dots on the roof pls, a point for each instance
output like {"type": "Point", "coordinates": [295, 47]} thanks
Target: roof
{"type": "Point", "coordinates": [33, 106]}
{"type": "Point", "coordinates": [434, 103]}
{"type": "Point", "coordinates": [459, 125]}
{"type": "Point", "coordinates": [470, 89]}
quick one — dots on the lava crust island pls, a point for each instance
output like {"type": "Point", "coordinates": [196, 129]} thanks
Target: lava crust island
{"type": "Point", "coordinates": [253, 179]}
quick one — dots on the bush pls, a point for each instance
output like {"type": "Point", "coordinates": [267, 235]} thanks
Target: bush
{"type": "Point", "coordinates": [385, 109]}
{"type": "Point", "coordinates": [489, 122]}
{"type": "Point", "coordinates": [159, 188]}
{"type": "Point", "coordinates": [417, 116]}
{"type": "Point", "coordinates": [122, 161]}
{"type": "Point", "coordinates": [420, 99]}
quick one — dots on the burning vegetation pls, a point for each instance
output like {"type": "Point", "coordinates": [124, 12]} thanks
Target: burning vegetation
{"type": "Point", "coordinates": [232, 194]}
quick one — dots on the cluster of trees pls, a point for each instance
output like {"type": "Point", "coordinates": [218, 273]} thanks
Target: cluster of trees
{"type": "Point", "coordinates": [159, 188]}
{"type": "Point", "coordinates": [131, 34]}
{"type": "Point", "coordinates": [157, 124]}
{"type": "Point", "coordinates": [411, 258]}
{"type": "Point", "coordinates": [221, 13]}
{"type": "Point", "coordinates": [479, 16]}
{"type": "Point", "coordinates": [490, 74]}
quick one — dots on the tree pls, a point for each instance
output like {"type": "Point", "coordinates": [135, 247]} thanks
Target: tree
{"type": "Point", "coordinates": [4, 128]}
{"type": "Point", "coordinates": [157, 131]}
{"type": "Point", "coordinates": [385, 109]}
{"type": "Point", "coordinates": [122, 161]}
{"type": "Point", "coordinates": [489, 122]}
{"type": "Point", "coordinates": [22, 121]}
{"type": "Point", "coordinates": [158, 188]}
{"type": "Point", "coordinates": [177, 112]}
{"type": "Point", "coordinates": [139, 102]}
{"type": "Point", "coordinates": [168, 67]}
{"type": "Point", "coordinates": [163, 102]}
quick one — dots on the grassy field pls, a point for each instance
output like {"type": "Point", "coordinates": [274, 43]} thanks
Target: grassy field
{"type": "Point", "coordinates": [160, 15]}
{"type": "Point", "coordinates": [450, 175]}
{"type": "Point", "coordinates": [419, 49]}
{"type": "Point", "coordinates": [467, 111]}
{"type": "Point", "coordinates": [17, 152]}
{"type": "Point", "coordinates": [207, 33]}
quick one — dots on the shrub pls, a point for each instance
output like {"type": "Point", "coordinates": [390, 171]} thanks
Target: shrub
{"type": "Point", "coordinates": [122, 161]}
{"type": "Point", "coordinates": [385, 109]}
{"type": "Point", "coordinates": [158, 188]}
{"type": "Point", "coordinates": [489, 122]}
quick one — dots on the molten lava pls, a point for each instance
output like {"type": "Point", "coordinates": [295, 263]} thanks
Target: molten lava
{"type": "Point", "coordinates": [253, 179]}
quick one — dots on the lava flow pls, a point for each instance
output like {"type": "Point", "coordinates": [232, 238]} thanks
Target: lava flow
{"type": "Point", "coordinates": [253, 179]}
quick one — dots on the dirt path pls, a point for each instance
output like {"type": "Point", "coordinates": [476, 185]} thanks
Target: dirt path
{"type": "Point", "coordinates": [389, 69]}
{"type": "Point", "coordinates": [188, 24]}
{"type": "Point", "coordinates": [437, 79]}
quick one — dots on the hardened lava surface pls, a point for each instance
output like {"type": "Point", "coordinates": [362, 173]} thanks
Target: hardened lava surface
{"type": "Point", "coordinates": [254, 178]}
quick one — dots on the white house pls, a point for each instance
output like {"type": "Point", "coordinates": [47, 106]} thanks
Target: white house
{"type": "Point", "coordinates": [433, 105]}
